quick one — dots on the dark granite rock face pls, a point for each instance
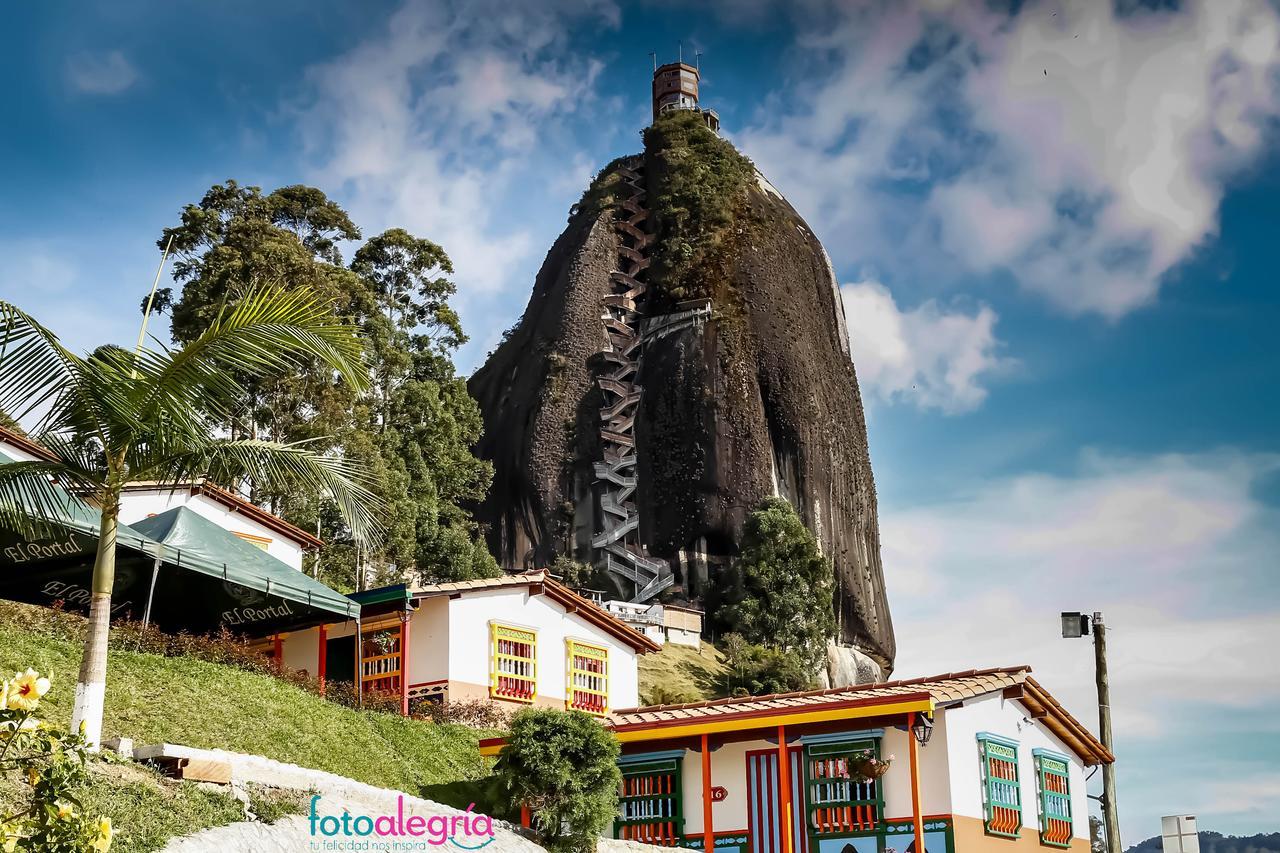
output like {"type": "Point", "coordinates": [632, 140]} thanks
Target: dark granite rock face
{"type": "Point", "coordinates": [759, 400]}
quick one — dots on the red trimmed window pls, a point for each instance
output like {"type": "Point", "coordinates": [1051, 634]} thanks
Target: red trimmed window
{"type": "Point", "coordinates": [588, 687]}
{"type": "Point", "coordinates": [514, 666]}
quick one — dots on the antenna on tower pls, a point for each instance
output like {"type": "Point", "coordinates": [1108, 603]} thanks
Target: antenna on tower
{"type": "Point", "coordinates": [697, 61]}
{"type": "Point", "coordinates": [654, 54]}
{"type": "Point", "coordinates": [680, 52]}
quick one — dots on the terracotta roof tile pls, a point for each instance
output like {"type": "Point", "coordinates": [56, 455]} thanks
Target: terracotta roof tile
{"type": "Point", "coordinates": [572, 602]}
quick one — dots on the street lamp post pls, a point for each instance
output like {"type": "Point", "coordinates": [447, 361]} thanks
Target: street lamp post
{"type": "Point", "coordinates": [1077, 625]}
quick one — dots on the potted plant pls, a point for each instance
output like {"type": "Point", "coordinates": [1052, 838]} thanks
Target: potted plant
{"type": "Point", "coordinates": [867, 766]}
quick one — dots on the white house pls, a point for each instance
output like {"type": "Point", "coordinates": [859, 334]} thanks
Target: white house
{"type": "Point", "coordinates": [518, 639]}
{"type": "Point", "coordinates": [978, 761]}
{"type": "Point", "coordinates": [662, 623]}
{"type": "Point", "coordinates": [282, 540]}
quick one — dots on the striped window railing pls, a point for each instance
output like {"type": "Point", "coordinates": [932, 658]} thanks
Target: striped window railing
{"type": "Point", "coordinates": [1001, 790]}
{"type": "Point", "coordinates": [1053, 785]}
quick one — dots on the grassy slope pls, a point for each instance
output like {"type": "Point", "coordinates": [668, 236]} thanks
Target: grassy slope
{"type": "Point", "coordinates": [681, 674]}
{"type": "Point", "coordinates": [191, 702]}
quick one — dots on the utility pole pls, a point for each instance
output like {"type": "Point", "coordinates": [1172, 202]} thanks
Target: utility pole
{"type": "Point", "coordinates": [1077, 625]}
{"type": "Point", "coordinates": [1110, 814]}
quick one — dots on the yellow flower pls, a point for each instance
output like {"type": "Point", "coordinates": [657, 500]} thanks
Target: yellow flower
{"type": "Point", "coordinates": [25, 691]}
{"type": "Point", "coordinates": [102, 843]}
{"type": "Point", "coordinates": [33, 776]}
{"type": "Point", "coordinates": [65, 810]}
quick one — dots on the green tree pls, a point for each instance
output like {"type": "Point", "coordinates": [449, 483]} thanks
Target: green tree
{"type": "Point", "coordinates": [562, 765]}
{"type": "Point", "coordinates": [781, 588]}
{"type": "Point", "coordinates": [413, 425]}
{"type": "Point", "coordinates": [115, 416]}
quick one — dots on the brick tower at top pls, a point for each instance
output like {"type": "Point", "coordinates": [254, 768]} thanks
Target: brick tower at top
{"type": "Point", "coordinates": [675, 87]}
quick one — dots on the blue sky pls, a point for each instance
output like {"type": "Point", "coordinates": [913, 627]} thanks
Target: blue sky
{"type": "Point", "coordinates": [1054, 228]}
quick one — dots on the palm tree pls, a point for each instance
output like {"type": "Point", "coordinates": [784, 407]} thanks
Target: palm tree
{"type": "Point", "coordinates": [115, 416]}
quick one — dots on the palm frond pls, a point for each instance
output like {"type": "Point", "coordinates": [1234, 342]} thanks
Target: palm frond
{"type": "Point", "coordinates": [281, 466]}
{"type": "Point", "coordinates": [32, 503]}
{"type": "Point", "coordinates": [269, 331]}
{"type": "Point", "coordinates": [34, 367]}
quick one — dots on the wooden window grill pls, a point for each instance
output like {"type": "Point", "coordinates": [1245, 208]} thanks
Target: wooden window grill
{"type": "Point", "coordinates": [1001, 791]}
{"type": "Point", "coordinates": [1053, 783]}
{"type": "Point", "coordinates": [835, 801]}
{"type": "Point", "coordinates": [649, 804]}
{"type": "Point", "coordinates": [514, 664]}
{"type": "Point", "coordinates": [588, 687]}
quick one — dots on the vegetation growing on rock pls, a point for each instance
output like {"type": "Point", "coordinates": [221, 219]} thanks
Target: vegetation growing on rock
{"type": "Point", "coordinates": [696, 181]}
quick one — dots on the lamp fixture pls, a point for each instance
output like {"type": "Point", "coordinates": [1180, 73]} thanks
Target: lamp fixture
{"type": "Point", "coordinates": [922, 728]}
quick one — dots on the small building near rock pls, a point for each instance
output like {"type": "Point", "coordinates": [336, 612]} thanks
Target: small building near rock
{"type": "Point", "coordinates": [662, 623]}
{"type": "Point", "coordinates": [519, 640]}
{"type": "Point", "coordinates": [958, 763]}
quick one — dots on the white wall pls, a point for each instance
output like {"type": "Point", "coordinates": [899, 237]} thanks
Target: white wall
{"type": "Point", "coordinates": [429, 641]}
{"type": "Point", "coordinates": [17, 454]}
{"type": "Point", "coordinates": [471, 614]}
{"type": "Point", "coordinates": [1007, 718]}
{"type": "Point", "coordinates": [935, 793]}
{"type": "Point", "coordinates": [301, 650]}
{"type": "Point", "coordinates": [137, 505]}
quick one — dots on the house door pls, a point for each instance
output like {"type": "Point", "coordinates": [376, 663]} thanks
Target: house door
{"type": "Point", "coordinates": [763, 820]}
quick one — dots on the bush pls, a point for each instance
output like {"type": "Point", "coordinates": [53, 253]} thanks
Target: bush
{"type": "Point", "coordinates": [756, 670]}
{"type": "Point", "coordinates": [50, 764]}
{"type": "Point", "coordinates": [476, 713]}
{"type": "Point", "coordinates": [781, 593]}
{"type": "Point", "coordinates": [563, 766]}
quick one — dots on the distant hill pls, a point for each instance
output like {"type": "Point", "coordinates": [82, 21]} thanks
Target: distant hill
{"type": "Point", "coordinates": [1216, 842]}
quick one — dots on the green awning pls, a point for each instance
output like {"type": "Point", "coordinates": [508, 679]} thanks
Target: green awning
{"type": "Point", "coordinates": [194, 543]}
{"type": "Point", "coordinates": [208, 578]}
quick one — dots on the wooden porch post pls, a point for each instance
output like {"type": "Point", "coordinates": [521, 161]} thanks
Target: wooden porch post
{"type": "Point", "coordinates": [784, 791]}
{"type": "Point", "coordinates": [708, 834]}
{"type": "Point", "coordinates": [322, 655]}
{"type": "Point", "coordinates": [917, 819]}
{"type": "Point", "coordinates": [277, 649]}
{"type": "Point", "coordinates": [404, 662]}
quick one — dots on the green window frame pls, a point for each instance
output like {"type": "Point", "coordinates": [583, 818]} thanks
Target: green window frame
{"type": "Point", "coordinates": [834, 803]}
{"type": "Point", "coordinates": [1001, 786]}
{"type": "Point", "coordinates": [650, 804]}
{"type": "Point", "coordinates": [1053, 790]}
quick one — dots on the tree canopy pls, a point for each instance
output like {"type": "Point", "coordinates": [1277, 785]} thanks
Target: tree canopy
{"type": "Point", "coordinates": [781, 594]}
{"type": "Point", "coordinates": [411, 429]}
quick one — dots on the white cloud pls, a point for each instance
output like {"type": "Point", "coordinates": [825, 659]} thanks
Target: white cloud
{"type": "Point", "coordinates": [1174, 549]}
{"type": "Point", "coordinates": [108, 73]}
{"type": "Point", "coordinates": [447, 122]}
{"type": "Point", "coordinates": [929, 356]}
{"type": "Point", "coordinates": [1083, 150]}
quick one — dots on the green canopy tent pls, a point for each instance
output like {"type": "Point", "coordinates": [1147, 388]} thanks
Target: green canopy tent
{"type": "Point", "coordinates": [178, 569]}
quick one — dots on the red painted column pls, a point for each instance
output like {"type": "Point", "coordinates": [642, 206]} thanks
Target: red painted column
{"type": "Point", "coordinates": [784, 791]}
{"type": "Point", "coordinates": [405, 619]}
{"type": "Point", "coordinates": [278, 650]}
{"type": "Point", "coordinates": [322, 655]}
{"type": "Point", "coordinates": [917, 819]}
{"type": "Point", "coordinates": [708, 834]}
{"type": "Point", "coordinates": [526, 820]}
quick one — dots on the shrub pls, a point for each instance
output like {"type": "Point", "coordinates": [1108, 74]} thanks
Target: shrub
{"type": "Point", "coordinates": [476, 713]}
{"type": "Point", "coordinates": [563, 766]}
{"type": "Point", "coordinates": [50, 766]}
{"type": "Point", "coordinates": [752, 669]}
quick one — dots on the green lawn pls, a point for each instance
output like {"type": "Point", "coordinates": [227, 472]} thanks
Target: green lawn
{"type": "Point", "coordinates": [680, 674]}
{"type": "Point", "coordinates": [191, 702]}
{"type": "Point", "coordinates": [181, 700]}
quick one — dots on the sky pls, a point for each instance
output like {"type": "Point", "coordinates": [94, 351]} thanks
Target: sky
{"type": "Point", "coordinates": [1053, 225]}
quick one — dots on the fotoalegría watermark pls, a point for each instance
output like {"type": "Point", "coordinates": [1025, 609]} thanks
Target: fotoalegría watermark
{"type": "Point", "coordinates": [398, 831]}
